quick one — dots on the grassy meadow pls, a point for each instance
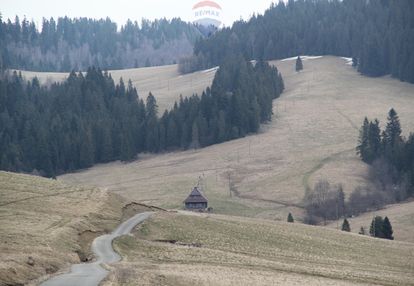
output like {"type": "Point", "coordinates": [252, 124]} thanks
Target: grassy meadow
{"type": "Point", "coordinates": [191, 249]}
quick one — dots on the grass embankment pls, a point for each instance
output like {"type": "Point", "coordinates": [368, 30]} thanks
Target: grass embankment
{"type": "Point", "coordinates": [46, 225]}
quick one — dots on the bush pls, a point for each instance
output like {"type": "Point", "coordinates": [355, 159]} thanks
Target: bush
{"type": "Point", "coordinates": [290, 218]}
{"type": "Point", "coordinates": [346, 226]}
{"type": "Point", "coordinates": [324, 202]}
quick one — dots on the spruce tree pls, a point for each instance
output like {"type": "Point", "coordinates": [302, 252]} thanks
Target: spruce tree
{"type": "Point", "coordinates": [151, 107]}
{"type": "Point", "coordinates": [362, 231]}
{"type": "Point", "coordinates": [290, 218]}
{"type": "Point", "coordinates": [393, 129]}
{"type": "Point", "coordinates": [370, 146]}
{"type": "Point", "coordinates": [387, 229]}
{"type": "Point", "coordinates": [363, 146]}
{"type": "Point", "coordinates": [299, 64]}
{"type": "Point", "coordinates": [346, 226]}
{"type": "Point", "coordinates": [392, 140]}
{"type": "Point", "coordinates": [374, 140]}
{"type": "Point", "coordinates": [372, 228]}
{"type": "Point", "coordinates": [340, 203]}
{"type": "Point", "coordinates": [151, 125]}
{"type": "Point", "coordinates": [376, 226]}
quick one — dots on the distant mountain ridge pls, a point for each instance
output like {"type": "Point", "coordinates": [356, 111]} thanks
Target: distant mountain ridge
{"type": "Point", "coordinates": [66, 44]}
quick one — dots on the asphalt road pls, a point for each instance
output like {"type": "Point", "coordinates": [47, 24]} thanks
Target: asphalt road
{"type": "Point", "coordinates": [91, 274]}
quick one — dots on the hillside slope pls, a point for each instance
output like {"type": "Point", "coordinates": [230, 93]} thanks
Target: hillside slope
{"type": "Point", "coordinates": [313, 135]}
{"type": "Point", "coordinates": [188, 249]}
{"type": "Point", "coordinates": [46, 225]}
{"type": "Point", "coordinates": [164, 82]}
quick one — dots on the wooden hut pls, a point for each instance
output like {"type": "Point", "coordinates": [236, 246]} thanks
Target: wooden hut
{"type": "Point", "coordinates": [196, 200]}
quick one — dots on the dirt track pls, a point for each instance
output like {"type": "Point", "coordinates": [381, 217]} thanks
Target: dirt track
{"type": "Point", "coordinates": [91, 274]}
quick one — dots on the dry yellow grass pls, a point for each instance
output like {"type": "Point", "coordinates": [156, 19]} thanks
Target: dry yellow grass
{"type": "Point", "coordinates": [50, 222]}
{"type": "Point", "coordinates": [219, 250]}
{"type": "Point", "coordinates": [313, 135]}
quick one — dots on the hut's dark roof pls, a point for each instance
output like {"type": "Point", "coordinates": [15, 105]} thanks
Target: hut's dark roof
{"type": "Point", "coordinates": [195, 197]}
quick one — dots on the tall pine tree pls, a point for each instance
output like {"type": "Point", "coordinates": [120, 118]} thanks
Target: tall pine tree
{"type": "Point", "coordinates": [387, 229]}
{"type": "Point", "coordinates": [376, 227]}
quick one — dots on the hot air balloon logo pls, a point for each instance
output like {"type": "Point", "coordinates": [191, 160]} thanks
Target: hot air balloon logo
{"type": "Point", "coordinates": [207, 13]}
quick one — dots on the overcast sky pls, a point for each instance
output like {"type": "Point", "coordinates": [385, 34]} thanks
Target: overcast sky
{"type": "Point", "coordinates": [120, 10]}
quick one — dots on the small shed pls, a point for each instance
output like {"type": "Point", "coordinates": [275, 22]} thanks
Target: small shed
{"type": "Point", "coordinates": [196, 200]}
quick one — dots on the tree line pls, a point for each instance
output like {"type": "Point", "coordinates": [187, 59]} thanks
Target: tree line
{"type": "Point", "coordinates": [377, 34]}
{"type": "Point", "coordinates": [89, 119]}
{"type": "Point", "coordinates": [379, 227]}
{"type": "Point", "coordinates": [390, 155]}
{"type": "Point", "coordinates": [66, 44]}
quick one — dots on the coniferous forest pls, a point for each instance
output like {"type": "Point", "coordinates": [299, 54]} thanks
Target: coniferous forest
{"type": "Point", "coordinates": [66, 44]}
{"type": "Point", "coordinates": [89, 119]}
{"type": "Point", "coordinates": [378, 34]}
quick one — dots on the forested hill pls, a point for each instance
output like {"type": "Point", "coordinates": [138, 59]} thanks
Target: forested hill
{"type": "Point", "coordinates": [379, 33]}
{"type": "Point", "coordinates": [89, 119]}
{"type": "Point", "coordinates": [66, 44]}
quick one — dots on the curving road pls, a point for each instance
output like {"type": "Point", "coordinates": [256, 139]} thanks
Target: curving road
{"type": "Point", "coordinates": [91, 274]}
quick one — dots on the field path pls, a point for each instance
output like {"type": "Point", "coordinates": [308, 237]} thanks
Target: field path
{"type": "Point", "coordinates": [88, 274]}
{"type": "Point", "coordinates": [251, 197]}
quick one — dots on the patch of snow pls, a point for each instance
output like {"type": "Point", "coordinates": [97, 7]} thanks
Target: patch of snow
{"type": "Point", "coordinates": [210, 70]}
{"type": "Point", "coordinates": [289, 59]}
{"type": "Point", "coordinates": [303, 58]}
{"type": "Point", "coordinates": [312, 57]}
{"type": "Point", "coordinates": [348, 60]}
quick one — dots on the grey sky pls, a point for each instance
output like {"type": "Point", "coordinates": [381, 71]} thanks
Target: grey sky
{"type": "Point", "coordinates": [120, 10]}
